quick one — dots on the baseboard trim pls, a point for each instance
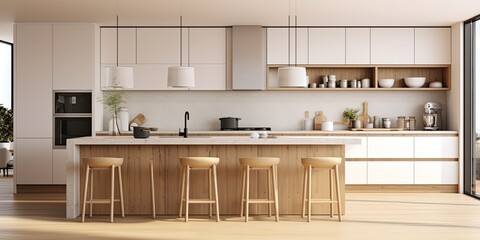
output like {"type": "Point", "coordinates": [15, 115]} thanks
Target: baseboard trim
{"type": "Point", "coordinates": [402, 188]}
{"type": "Point", "coordinates": [26, 188]}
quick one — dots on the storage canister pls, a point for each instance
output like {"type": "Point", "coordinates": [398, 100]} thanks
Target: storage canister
{"type": "Point", "coordinates": [412, 122]}
{"type": "Point", "coordinates": [386, 122]}
{"type": "Point", "coordinates": [376, 122]}
{"type": "Point", "coordinates": [124, 118]}
{"type": "Point", "coordinates": [401, 122]}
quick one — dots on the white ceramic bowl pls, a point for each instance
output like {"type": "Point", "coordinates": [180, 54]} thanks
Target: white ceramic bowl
{"type": "Point", "coordinates": [436, 85]}
{"type": "Point", "coordinates": [414, 82]}
{"type": "Point", "coordinates": [386, 83]}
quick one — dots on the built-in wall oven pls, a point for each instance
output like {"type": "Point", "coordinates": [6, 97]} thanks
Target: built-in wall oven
{"type": "Point", "coordinates": [72, 116]}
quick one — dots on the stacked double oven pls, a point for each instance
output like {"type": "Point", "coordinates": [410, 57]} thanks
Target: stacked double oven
{"type": "Point", "coordinates": [72, 116]}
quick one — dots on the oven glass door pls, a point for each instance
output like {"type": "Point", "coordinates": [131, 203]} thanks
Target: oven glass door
{"type": "Point", "coordinates": [71, 127]}
{"type": "Point", "coordinates": [73, 102]}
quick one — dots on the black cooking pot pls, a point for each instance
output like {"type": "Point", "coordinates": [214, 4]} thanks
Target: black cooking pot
{"type": "Point", "coordinates": [141, 132]}
{"type": "Point", "coordinates": [229, 123]}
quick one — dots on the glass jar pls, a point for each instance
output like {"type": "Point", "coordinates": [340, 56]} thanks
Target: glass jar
{"type": "Point", "coordinates": [376, 122]}
{"type": "Point", "coordinates": [401, 122]}
{"type": "Point", "coordinates": [386, 122]}
{"type": "Point", "coordinates": [412, 122]}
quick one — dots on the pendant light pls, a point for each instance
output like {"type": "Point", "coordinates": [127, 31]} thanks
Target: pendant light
{"type": "Point", "coordinates": [119, 77]}
{"type": "Point", "coordinates": [180, 76]}
{"type": "Point", "coordinates": [292, 77]}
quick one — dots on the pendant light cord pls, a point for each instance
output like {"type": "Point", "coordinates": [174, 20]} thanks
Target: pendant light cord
{"type": "Point", "coordinates": [289, 39]}
{"type": "Point", "coordinates": [181, 39]}
{"type": "Point", "coordinates": [117, 38]}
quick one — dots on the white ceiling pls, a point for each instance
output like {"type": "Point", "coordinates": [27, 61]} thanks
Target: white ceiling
{"type": "Point", "coordinates": [240, 12]}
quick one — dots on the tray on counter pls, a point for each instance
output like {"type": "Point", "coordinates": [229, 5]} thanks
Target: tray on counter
{"type": "Point", "coordinates": [377, 129]}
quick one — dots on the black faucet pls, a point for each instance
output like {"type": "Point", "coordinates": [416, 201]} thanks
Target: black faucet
{"type": "Point", "coordinates": [185, 129]}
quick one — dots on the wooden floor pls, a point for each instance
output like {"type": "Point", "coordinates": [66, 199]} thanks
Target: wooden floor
{"type": "Point", "coordinates": [369, 216]}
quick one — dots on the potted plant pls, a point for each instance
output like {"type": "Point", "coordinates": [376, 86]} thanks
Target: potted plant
{"type": "Point", "coordinates": [112, 100]}
{"type": "Point", "coordinates": [6, 126]}
{"type": "Point", "coordinates": [349, 116]}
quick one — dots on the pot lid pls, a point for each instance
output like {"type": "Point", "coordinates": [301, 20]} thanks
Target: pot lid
{"type": "Point", "coordinates": [226, 118]}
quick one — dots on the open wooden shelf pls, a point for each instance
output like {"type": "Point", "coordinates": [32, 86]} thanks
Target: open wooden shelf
{"type": "Point", "coordinates": [432, 73]}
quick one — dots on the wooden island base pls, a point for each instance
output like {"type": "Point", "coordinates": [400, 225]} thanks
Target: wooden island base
{"type": "Point", "coordinates": [167, 177]}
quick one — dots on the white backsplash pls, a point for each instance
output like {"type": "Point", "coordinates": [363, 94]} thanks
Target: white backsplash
{"type": "Point", "coordinates": [280, 110]}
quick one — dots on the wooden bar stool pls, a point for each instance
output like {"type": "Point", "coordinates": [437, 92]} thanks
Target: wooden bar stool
{"type": "Point", "coordinates": [259, 163]}
{"type": "Point", "coordinates": [102, 163]}
{"type": "Point", "coordinates": [199, 163]}
{"type": "Point", "coordinates": [330, 163]}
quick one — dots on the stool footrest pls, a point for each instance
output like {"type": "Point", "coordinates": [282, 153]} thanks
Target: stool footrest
{"type": "Point", "coordinates": [260, 201]}
{"type": "Point", "coordinates": [105, 201]}
{"type": "Point", "coordinates": [322, 201]}
{"type": "Point", "coordinates": [200, 201]}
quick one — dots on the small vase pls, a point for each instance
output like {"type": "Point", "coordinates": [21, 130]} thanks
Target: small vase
{"type": "Point", "coordinates": [112, 126]}
{"type": "Point", "coordinates": [351, 123]}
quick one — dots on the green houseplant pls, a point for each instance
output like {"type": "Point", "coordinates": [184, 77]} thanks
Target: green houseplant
{"type": "Point", "coordinates": [6, 124]}
{"type": "Point", "coordinates": [349, 116]}
{"type": "Point", "coordinates": [112, 101]}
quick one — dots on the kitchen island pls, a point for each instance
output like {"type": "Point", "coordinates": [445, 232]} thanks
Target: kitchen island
{"type": "Point", "coordinates": [165, 151]}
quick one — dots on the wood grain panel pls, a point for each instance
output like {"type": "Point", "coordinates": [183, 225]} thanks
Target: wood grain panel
{"type": "Point", "coordinates": [167, 171]}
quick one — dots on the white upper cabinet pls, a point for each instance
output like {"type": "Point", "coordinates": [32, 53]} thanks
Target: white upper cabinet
{"type": "Point", "coordinates": [392, 45]}
{"type": "Point", "coordinates": [126, 45]}
{"type": "Point", "coordinates": [158, 45]}
{"type": "Point", "coordinates": [73, 56]}
{"type": "Point", "coordinates": [207, 45]}
{"type": "Point", "coordinates": [357, 46]}
{"type": "Point", "coordinates": [326, 46]}
{"type": "Point", "coordinates": [277, 46]}
{"type": "Point", "coordinates": [390, 147]}
{"type": "Point", "coordinates": [432, 46]}
{"type": "Point", "coordinates": [436, 147]}
{"type": "Point", "coordinates": [33, 81]}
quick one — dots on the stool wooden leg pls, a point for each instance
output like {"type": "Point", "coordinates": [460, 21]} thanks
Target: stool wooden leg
{"type": "Point", "coordinates": [120, 184]}
{"type": "Point", "coordinates": [152, 185]}
{"type": "Point", "coordinates": [304, 194]}
{"type": "Point", "coordinates": [330, 181]}
{"type": "Point", "coordinates": [309, 193]}
{"type": "Point", "coordinates": [217, 211]}
{"type": "Point", "coordinates": [210, 205]}
{"type": "Point", "coordinates": [183, 191]}
{"type": "Point", "coordinates": [275, 187]}
{"type": "Point", "coordinates": [269, 191]}
{"type": "Point", "coordinates": [85, 193]}
{"type": "Point", "coordinates": [247, 193]}
{"type": "Point", "coordinates": [187, 193]}
{"type": "Point", "coordinates": [91, 193]}
{"type": "Point", "coordinates": [242, 199]}
{"type": "Point", "coordinates": [339, 205]}
{"type": "Point", "coordinates": [112, 193]}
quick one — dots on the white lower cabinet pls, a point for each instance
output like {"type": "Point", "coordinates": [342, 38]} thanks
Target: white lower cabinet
{"type": "Point", "coordinates": [356, 150]}
{"type": "Point", "coordinates": [59, 166]}
{"type": "Point", "coordinates": [355, 172]}
{"type": "Point", "coordinates": [390, 172]}
{"type": "Point", "coordinates": [436, 147]}
{"type": "Point", "coordinates": [390, 147]}
{"type": "Point", "coordinates": [33, 161]}
{"type": "Point", "coordinates": [436, 172]}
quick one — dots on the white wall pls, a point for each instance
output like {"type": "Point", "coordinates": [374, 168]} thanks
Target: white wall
{"type": "Point", "coordinates": [276, 109]}
{"type": "Point", "coordinates": [455, 95]}
{"type": "Point", "coordinates": [6, 75]}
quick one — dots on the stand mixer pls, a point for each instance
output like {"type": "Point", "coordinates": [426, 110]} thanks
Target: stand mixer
{"type": "Point", "coordinates": [432, 117]}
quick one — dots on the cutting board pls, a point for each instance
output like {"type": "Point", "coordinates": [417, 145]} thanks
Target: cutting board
{"type": "Point", "coordinates": [377, 129]}
{"type": "Point", "coordinates": [139, 119]}
{"type": "Point", "coordinates": [364, 117]}
{"type": "Point", "coordinates": [317, 121]}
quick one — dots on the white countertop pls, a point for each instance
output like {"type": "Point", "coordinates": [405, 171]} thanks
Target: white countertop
{"type": "Point", "coordinates": [310, 133]}
{"type": "Point", "coordinates": [221, 140]}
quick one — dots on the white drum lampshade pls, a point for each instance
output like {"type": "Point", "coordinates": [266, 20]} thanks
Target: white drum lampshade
{"type": "Point", "coordinates": [292, 77]}
{"type": "Point", "coordinates": [182, 77]}
{"type": "Point", "coordinates": [119, 77]}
